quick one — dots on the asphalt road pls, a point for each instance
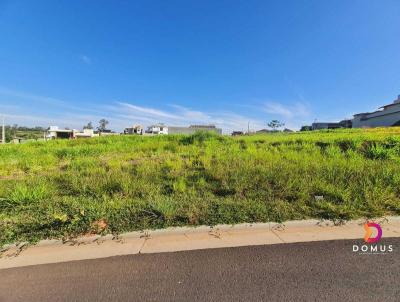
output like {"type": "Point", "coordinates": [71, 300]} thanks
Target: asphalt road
{"type": "Point", "coordinates": [321, 271]}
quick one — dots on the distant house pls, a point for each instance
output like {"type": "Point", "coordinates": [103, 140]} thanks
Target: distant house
{"type": "Point", "coordinates": [157, 129]}
{"type": "Point", "coordinates": [56, 133]}
{"type": "Point", "coordinates": [86, 133]}
{"type": "Point", "coordinates": [211, 128]}
{"type": "Point", "coordinates": [331, 125]}
{"type": "Point", "coordinates": [306, 128]}
{"type": "Point", "coordinates": [136, 129]}
{"type": "Point", "coordinates": [237, 133]}
{"type": "Point", "coordinates": [386, 116]}
{"type": "Point", "coordinates": [163, 129]}
{"type": "Point", "coordinates": [193, 129]}
{"type": "Point", "coordinates": [264, 131]}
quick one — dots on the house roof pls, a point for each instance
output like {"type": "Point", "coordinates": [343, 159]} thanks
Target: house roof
{"type": "Point", "coordinates": [389, 105]}
{"type": "Point", "coordinates": [395, 102]}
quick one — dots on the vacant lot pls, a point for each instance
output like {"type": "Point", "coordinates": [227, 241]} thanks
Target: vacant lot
{"type": "Point", "coordinates": [115, 184]}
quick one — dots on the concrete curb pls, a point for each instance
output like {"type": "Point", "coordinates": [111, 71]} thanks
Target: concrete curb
{"type": "Point", "coordinates": [188, 238]}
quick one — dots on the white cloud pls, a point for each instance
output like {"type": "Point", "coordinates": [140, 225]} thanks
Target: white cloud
{"type": "Point", "coordinates": [147, 111]}
{"type": "Point", "coordinates": [124, 114]}
{"type": "Point", "coordinates": [23, 95]}
{"type": "Point", "coordinates": [9, 107]}
{"type": "Point", "coordinates": [278, 109]}
{"type": "Point", "coordinates": [36, 120]}
{"type": "Point", "coordinates": [293, 115]}
{"type": "Point", "coordinates": [85, 59]}
{"type": "Point", "coordinates": [191, 114]}
{"type": "Point", "coordinates": [181, 116]}
{"type": "Point", "coordinates": [286, 111]}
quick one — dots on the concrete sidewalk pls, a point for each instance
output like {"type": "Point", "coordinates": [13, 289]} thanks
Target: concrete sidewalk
{"type": "Point", "coordinates": [189, 238]}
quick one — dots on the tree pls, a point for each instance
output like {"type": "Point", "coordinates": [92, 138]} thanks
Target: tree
{"type": "Point", "coordinates": [102, 125]}
{"type": "Point", "coordinates": [8, 134]}
{"type": "Point", "coordinates": [275, 124]}
{"type": "Point", "coordinates": [88, 126]}
{"type": "Point", "coordinates": [14, 130]}
{"type": "Point", "coordinates": [305, 128]}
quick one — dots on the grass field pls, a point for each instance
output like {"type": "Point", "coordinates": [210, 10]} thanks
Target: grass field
{"type": "Point", "coordinates": [62, 189]}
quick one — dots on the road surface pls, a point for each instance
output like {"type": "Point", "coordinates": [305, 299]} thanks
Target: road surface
{"type": "Point", "coordinates": [314, 271]}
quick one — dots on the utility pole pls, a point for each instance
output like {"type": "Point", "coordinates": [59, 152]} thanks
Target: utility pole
{"type": "Point", "coordinates": [3, 136]}
{"type": "Point", "coordinates": [248, 128]}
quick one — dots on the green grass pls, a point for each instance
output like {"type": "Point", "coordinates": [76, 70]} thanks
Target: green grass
{"type": "Point", "coordinates": [60, 189]}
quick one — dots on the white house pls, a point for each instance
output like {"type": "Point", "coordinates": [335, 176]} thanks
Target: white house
{"type": "Point", "coordinates": [135, 129]}
{"type": "Point", "coordinates": [56, 133]}
{"type": "Point", "coordinates": [386, 116]}
{"type": "Point", "coordinates": [157, 129]}
{"type": "Point", "coordinates": [86, 133]}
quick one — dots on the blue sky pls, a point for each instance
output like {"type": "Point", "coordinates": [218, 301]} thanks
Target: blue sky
{"type": "Point", "coordinates": [180, 62]}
